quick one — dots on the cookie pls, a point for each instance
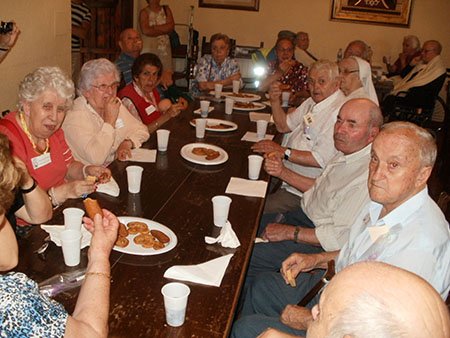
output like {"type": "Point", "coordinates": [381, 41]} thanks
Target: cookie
{"type": "Point", "coordinates": [123, 232]}
{"type": "Point", "coordinates": [122, 242]}
{"type": "Point", "coordinates": [199, 151]}
{"type": "Point", "coordinates": [160, 236]}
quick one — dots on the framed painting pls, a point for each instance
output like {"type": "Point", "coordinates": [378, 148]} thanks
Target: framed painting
{"type": "Point", "coordinates": [381, 12]}
{"type": "Point", "coordinates": [246, 5]}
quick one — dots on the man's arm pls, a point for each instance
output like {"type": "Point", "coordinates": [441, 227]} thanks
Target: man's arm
{"type": "Point", "coordinates": [276, 232]}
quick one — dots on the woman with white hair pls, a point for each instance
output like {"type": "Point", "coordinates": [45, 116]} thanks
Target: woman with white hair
{"type": "Point", "coordinates": [411, 49]}
{"type": "Point", "coordinates": [99, 128]}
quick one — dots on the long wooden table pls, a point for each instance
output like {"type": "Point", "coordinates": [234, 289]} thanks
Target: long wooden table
{"type": "Point", "coordinates": [178, 194]}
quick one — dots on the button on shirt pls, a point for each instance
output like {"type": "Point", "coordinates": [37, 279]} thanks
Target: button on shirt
{"type": "Point", "coordinates": [336, 197]}
{"type": "Point", "coordinates": [316, 137]}
{"type": "Point", "coordinates": [415, 236]}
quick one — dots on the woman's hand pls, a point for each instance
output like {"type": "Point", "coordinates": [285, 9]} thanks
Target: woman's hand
{"type": "Point", "coordinates": [104, 234]}
{"type": "Point", "coordinates": [103, 174]}
{"type": "Point", "coordinates": [112, 107]}
{"type": "Point", "coordinates": [74, 189]}
{"type": "Point", "coordinates": [124, 151]}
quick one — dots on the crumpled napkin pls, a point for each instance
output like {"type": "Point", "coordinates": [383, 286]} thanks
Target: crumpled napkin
{"type": "Point", "coordinates": [109, 188]}
{"type": "Point", "coordinates": [240, 186]}
{"type": "Point", "coordinates": [208, 273]}
{"type": "Point", "coordinates": [254, 116]}
{"type": "Point", "coordinates": [55, 234]}
{"type": "Point", "coordinates": [197, 111]}
{"type": "Point", "coordinates": [143, 155]}
{"type": "Point", "coordinates": [253, 137]}
{"type": "Point", "coordinates": [227, 237]}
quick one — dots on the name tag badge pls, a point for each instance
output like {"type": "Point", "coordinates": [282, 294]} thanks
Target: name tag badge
{"type": "Point", "coordinates": [308, 119]}
{"type": "Point", "coordinates": [119, 123]}
{"type": "Point", "coordinates": [41, 160]}
{"type": "Point", "coordinates": [150, 109]}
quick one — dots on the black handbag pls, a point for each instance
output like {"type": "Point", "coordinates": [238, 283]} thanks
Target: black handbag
{"type": "Point", "coordinates": [173, 35]}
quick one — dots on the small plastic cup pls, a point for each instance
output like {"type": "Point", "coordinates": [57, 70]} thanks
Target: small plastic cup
{"type": "Point", "coordinates": [200, 125]}
{"type": "Point", "coordinates": [175, 302]}
{"type": "Point", "coordinates": [229, 103]}
{"type": "Point", "coordinates": [73, 218]}
{"type": "Point", "coordinates": [134, 176]}
{"type": "Point", "coordinates": [261, 128]}
{"type": "Point", "coordinates": [71, 246]}
{"type": "Point", "coordinates": [254, 166]}
{"type": "Point", "coordinates": [236, 86]}
{"type": "Point", "coordinates": [285, 99]}
{"type": "Point", "coordinates": [221, 207]}
{"type": "Point", "coordinates": [204, 108]}
{"type": "Point", "coordinates": [218, 90]}
{"type": "Point", "coordinates": [162, 136]}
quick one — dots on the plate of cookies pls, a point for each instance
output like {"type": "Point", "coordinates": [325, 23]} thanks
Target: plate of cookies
{"type": "Point", "coordinates": [217, 125]}
{"type": "Point", "coordinates": [203, 153]}
{"type": "Point", "coordinates": [143, 237]}
{"type": "Point", "coordinates": [249, 106]}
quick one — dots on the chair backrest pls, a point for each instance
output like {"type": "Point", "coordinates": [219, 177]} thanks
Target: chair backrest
{"type": "Point", "coordinates": [206, 47]}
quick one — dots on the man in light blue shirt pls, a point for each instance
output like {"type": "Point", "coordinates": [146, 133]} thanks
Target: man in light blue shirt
{"type": "Point", "coordinates": [401, 226]}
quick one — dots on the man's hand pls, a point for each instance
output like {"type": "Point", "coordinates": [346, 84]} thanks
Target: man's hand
{"type": "Point", "coordinates": [273, 164]}
{"type": "Point", "coordinates": [267, 146]}
{"type": "Point", "coordinates": [298, 262]}
{"type": "Point", "coordinates": [275, 92]}
{"type": "Point", "coordinates": [276, 232]}
{"type": "Point", "coordinates": [297, 317]}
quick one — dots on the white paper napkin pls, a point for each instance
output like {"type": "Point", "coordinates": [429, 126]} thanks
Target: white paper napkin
{"type": "Point", "coordinates": [109, 188]}
{"type": "Point", "coordinates": [261, 240]}
{"type": "Point", "coordinates": [55, 234]}
{"type": "Point", "coordinates": [143, 155]}
{"type": "Point", "coordinates": [197, 111]}
{"type": "Point", "coordinates": [254, 116]}
{"type": "Point", "coordinates": [227, 237]}
{"type": "Point", "coordinates": [253, 137]}
{"type": "Point", "coordinates": [240, 186]}
{"type": "Point", "coordinates": [208, 273]}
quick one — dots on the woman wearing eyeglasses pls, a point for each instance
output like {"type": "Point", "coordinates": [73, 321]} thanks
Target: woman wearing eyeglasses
{"type": "Point", "coordinates": [99, 128]}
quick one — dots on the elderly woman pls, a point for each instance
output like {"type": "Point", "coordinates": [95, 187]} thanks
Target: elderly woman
{"type": "Point", "coordinates": [26, 312]}
{"type": "Point", "coordinates": [411, 50]}
{"type": "Point", "coordinates": [217, 67]}
{"type": "Point", "coordinates": [142, 98]}
{"type": "Point", "coordinates": [99, 128]}
{"type": "Point", "coordinates": [36, 138]}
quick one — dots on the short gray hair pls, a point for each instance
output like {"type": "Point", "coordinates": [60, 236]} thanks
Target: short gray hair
{"type": "Point", "coordinates": [92, 69]}
{"type": "Point", "coordinates": [330, 66]}
{"type": "Point", "coordinates": [46, 78]}
{"type": "Point", "coordinates": [426, 142]}
{"type": "Point", "coordinates": [414, 39]}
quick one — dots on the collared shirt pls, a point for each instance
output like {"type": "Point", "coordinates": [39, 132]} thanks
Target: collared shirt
{"type": "Point", "coordinates": [316, 136]}
{"type": "Point", "coordinates": [414, 236]}
{"type": "Point", "coordinates": [334, 200]}
{"type": "Point", "coordinates": [124, 63]}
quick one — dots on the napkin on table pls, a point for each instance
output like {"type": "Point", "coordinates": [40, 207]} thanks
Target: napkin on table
{"type": "Point", "coordinates": [253, 137]}
{"type": "Point", "coordinates": [55, 234]}
{"type": "Point", "coordinates": [260, 116]}
{"type": "Point", "coordinates": [208, 273]}
{"type": "Point", "coordinates": [197, 111]}
{"type": "Point", "coordinates": [143, 155]}
{"type": "Point", "coordinates": [240, 186]}
{"type": "Point", "coordinates": [109, 188]}
{"type": "Point", "coordinates": [227, 237]}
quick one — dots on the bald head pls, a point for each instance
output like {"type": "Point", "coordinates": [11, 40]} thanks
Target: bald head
{"type": "Point", "coordinates": [374, 299]}
{"type": "Point", "coordinates": [130, 42]}
{"type": "Point", "coordinates": [357, 48]}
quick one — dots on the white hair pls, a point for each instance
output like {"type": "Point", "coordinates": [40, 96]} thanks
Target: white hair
{"type": "Point", "coordinates": [93, 69]}
{"type": "Point", "coordinates": [330, 66]}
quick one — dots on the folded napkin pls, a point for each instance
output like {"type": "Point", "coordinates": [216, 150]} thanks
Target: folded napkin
{"type": "Point", "coordinates": [55, 234]}
{"type": "Point", "coordinates": [261, 240]}
{"type": "Point", "coordinates": [267, 103]}
{"type": "Point", "coordinates": [240, 186]}
{"type": "Point", "coordinates": [109, 188]}
{"type": "Point", "coordinates": [253, 137]}
{"type": "Point", "coordinates": [208, 273]}
{"type": "Point", "coordinates": [197, 111]}
{"type": "Point", "coordinates": [227, 237]}
{"type": "Point", "coordinates": [143, 155]}
{"type": "Point", "coordinates": [260, 116]}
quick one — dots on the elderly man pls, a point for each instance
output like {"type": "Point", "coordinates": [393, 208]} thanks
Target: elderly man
{"type": "Point", "coordinates": [331, 202]}
{"type": "Point", "coordinates": [380, 299]}
{"type": "Point", "coordinates": [422, 80]}
{"type": "Point", "coordinates": [309, 145]}
{"type": "Point", "coordinates": [401, 226]}
{"type": "Point", "coordinates": [356, 79]}
{"type": "Point", "coordinates": [130, 44]}
{"type": "Point", "coordinates": [301, 51]}
{"type": "Point", "coordinates": [358, 48]}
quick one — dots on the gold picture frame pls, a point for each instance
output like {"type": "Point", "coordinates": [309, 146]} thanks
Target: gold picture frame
{"type": "Point", "coordinates": [380, 12]}
{"type": "Point", "coordinates": [246, 5]}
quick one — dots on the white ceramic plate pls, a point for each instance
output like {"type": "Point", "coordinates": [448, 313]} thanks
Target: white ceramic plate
{"type": "Point", "coordinates": [210, 123]}
{"type": "Point", "coordinates": [255, 106]}
{"type": "Point", "coordinates": [246, 97]}
{"type": "Point", "coordinates": [186, 153]}
{"type": "Point", "coordinates": [136, 249]}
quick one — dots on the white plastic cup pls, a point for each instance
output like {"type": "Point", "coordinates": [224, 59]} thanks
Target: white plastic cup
{"type": "Point", "coordinates": [261, 128]}
{"type": "Point", "coordinates": [71, 246]}
{"type": "Point", "coordinates": [175, 302]}
{"type": "Point", "coordinates": [285, 99]}
{"type": "Point", "coordinates": [200, 126]}
{"type": "Point", "coordinates": [162, 136]}
{"type": "Point", "coordinates": [218, 90]}
{"type": "Point", "coordinates": [236, 86]}
{"type": "Point", "coordinates": [221, 207]}
{"type": "Point", "coordinates": [73, 218]}
{"type": "Point", "coordinates": [134, 177]}
{"type": "Point", "coordinates": [204, 108]}
{"type": "Point", "coordinates": [254, 166]}
{"type": "Point", "coordinates": [229, 103]}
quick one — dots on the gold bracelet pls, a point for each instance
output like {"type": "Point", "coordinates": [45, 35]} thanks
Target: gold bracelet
{"type": "Point", "coordinates": [103, 274]}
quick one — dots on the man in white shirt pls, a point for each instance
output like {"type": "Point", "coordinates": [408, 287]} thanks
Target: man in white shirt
{"type": "Point", "coordinates": [309, 145]}
{"type": "Point", "coordinates": [302, 54]}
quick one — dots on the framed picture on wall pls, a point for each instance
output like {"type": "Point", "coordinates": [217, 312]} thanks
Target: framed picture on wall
{"type": "Point", "coordinates": [382, 12]}
{"type": "Point", "coordinates": [246, 5]}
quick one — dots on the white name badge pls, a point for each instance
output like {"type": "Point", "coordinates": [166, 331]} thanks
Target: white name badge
{"type": "Point", "coordinates": [119, 123]}
{"type": "Point", "coordinates": [308, 119]}
{"type": "Point", "coordinates": [150, 109]}
{"type": "Point", "coordinates": [41, 160]}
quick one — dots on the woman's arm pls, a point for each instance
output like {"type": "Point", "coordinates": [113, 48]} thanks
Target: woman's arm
{"type": "Point", "coordinates": [155, 30]}
{"type": "Point", "coordinates": [9, 251]}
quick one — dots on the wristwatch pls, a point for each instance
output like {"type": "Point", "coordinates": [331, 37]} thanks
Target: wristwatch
{"type": "Point", "coordinates": [287, 153]}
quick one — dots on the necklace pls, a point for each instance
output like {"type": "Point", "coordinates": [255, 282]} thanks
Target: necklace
{"type": "Point", "coordinates": [27, 132]}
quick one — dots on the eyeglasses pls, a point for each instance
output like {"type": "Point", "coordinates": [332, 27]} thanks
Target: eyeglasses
{"type": "Point", "coordinates": [282, 50]}
{"type": "Point", "coordinates": [346, 71]}
{"type": "Point", "coordinates": [104, 87]}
